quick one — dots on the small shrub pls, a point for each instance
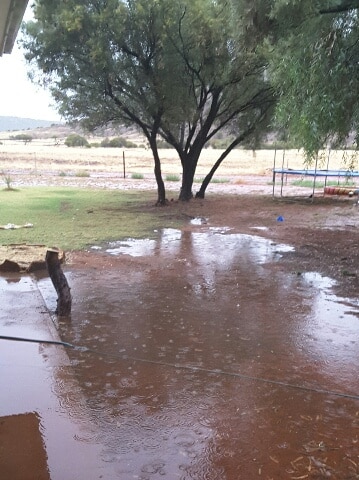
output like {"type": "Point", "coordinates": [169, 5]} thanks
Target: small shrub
{"type": "Point", "coordinates": [172, 178]}
{"type": "Point", "coordinates": [82, 173]}
{"type": "Point", "coordinates": [137, 176]}
{"type": "Point", "coordinates": [75, 140]}
{"type": "Point", "coordinates": [220, 180]}
{"type": "Point", "coordinates": [117, 142]}
{"type": "Point", "coordinates": [62, 174]}
{"type": "Point", "coordinates": [26, 138]}
{"type": "Point", "coordinates": [7, 179]}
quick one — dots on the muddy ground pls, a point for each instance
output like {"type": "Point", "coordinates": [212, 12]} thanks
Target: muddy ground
{"type": "Point", "coordinates": [226, 318]}
{"type": "Point", "coordinates": [182, 395]}
{"type": "Point", "coordinates": [324, 231]}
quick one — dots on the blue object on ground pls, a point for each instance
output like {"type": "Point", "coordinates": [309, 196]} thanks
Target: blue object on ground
{"type": "Point", "coordinates": [280, 219]}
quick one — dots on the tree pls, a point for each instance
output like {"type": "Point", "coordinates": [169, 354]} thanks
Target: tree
{"type": "Point", "coordinates": [24, 137]}
{"type": "Point", "coordinates": [314, 65]}
{"type": "Point", "coordinates": [75, 140]}
{"type": "Point", "coordinates": [179, 71]}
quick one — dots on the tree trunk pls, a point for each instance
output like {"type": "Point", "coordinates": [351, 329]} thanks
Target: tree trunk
{"type": "Point", "coordinates": [189, 164]}
{"type": "Point", "coordinates": [59, 281]}
{"type": "Point", "coordinates": [208, 177]}
{"type": "Point", "coordinates": [161, 190]}
{"type": "Point", "coordinates": [201, 192]}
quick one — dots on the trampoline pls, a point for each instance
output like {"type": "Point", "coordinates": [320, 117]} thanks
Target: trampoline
{"type": "Point", "coordinates": [347, 174]}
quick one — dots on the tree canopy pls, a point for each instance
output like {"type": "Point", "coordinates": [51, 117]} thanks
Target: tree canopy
{"type": "Point", "coordinates": [180, 71]}
{"type": "Point", "coordinates": [313, 55]}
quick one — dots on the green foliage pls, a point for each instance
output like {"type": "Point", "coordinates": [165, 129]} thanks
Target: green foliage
{"type": "Point", "coordinates": [172, 178]}
{"type": "Point", "coordinates": [75, 140]}
{"type": "Point", "coordinates": [163, 144]}
{"type": "Point", "coordinates": [179, 71]}
{"type": "Point", "coordinates": [82, 173]}
{"type": "Point", "coordinates": [220, 143]}
{"type": "Point", "coordinates": [117, 142]}
{"type": "Point", "coordinates": [24, 137]}
{"type": "Point", "coordinates": [137, 176]}
{"type": "Point", "coordinates": [314, 64]}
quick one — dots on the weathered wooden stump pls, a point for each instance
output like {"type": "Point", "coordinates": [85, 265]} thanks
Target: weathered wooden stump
{"type": "Point", "coordinates": [59, 281]}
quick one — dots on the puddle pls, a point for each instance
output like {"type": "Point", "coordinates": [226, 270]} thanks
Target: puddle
{"type": "Point", "coordinates": [264, 229]}
{"type": "Point", "coordinates": [206, 246]}
{"type": "Point", "coordinates": [143, 247]}
{"type": "Point", "coordinates": [218, 363]}
{"type": "Point", "coordinates": [199, 221]}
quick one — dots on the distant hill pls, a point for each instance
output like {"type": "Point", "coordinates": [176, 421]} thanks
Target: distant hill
{"type": "Point", "coordinates": [17, 123]}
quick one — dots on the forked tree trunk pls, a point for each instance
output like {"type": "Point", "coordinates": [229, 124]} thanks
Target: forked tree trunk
{"type": "Point", "coordinates": [59, 281]}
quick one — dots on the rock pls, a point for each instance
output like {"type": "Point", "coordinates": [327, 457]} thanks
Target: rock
{"type": "Point", "coordinates": [24, 258]}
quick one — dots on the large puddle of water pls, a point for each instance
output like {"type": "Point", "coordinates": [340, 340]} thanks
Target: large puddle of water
{"type": "Point", "coordinates": [218, 365]}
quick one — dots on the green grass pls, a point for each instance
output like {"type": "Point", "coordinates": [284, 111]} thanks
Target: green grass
{"type": "Point", "coordinates": [330, 183]}
{"type": "Point", "coordinates": [72, 219]}
{"type": "Point", "coordinates": [172, 178]}
{"type": "Point", "coordinates": [82, 173]}
{"type": "Point", "coordinates": [137, 176]}
{"type": "Point", "coordinates": [220, 180]}
{"type": "Point", "coordinates": [214, 180]}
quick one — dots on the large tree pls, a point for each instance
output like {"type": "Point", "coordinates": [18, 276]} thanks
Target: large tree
{"type": "Point", "coordinates": [182, 71]}
{"type": "Point", "coordinates": [314, 58]}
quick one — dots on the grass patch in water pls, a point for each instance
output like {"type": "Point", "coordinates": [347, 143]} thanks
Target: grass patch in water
{"type": "Point", "coordinates": [72, 219]}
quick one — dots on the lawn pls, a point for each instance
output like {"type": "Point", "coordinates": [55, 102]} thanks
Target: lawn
{"type": "Point", "coordinates": [75, 218]}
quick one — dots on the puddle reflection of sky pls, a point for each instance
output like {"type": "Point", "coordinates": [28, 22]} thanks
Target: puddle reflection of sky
{"type": "Point", "coordinates": [216, 246]}
{"type": "Point", "coordinates": [334, 322]}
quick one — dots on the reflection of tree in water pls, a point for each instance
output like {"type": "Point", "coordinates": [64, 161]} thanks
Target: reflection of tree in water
{"type": "Point", "coordinates": [212, 302]}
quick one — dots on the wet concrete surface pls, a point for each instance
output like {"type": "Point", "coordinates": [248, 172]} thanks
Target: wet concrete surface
{"type": "Point", "coordinates": [37, 382]}
{"type": "Point", "coordinates": [201, 358]}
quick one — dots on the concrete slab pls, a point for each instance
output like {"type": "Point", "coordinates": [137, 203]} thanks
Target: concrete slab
{"type": "Point", "coordinates": [37, 379]}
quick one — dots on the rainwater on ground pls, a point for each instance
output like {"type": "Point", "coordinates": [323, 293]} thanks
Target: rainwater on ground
{"type": "Point", "coordinates": [212, 361]}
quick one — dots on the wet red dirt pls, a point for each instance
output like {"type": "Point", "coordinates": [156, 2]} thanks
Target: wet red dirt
{"type": "Point", "coordinates": [225, 350]}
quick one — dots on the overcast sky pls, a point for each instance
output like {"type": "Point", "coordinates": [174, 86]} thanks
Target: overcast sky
{"type": "Point", "coordinates": [18, 96]}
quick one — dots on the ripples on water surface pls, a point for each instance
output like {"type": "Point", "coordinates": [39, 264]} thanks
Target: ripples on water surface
{"type": "Point", "coordinates": [216, 304]}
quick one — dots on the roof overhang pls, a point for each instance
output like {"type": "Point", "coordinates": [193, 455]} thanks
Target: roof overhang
{"type": "Point", "coordinates": [11, 15]}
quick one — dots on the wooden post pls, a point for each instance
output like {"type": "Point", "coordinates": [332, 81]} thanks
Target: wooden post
{"type": "Point", "coordinates": [124, 164]}
{"type": "Point", "coordinates": [60, 283]}
{"type": "Point", "coordinates": [275, 156]}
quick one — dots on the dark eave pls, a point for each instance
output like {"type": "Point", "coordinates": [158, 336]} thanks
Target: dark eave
{"type": "Point", "coordinates": [11, 15]}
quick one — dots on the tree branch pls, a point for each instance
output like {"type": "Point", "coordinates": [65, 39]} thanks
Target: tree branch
{"type": "Point", "coordinates": [344, 7]}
